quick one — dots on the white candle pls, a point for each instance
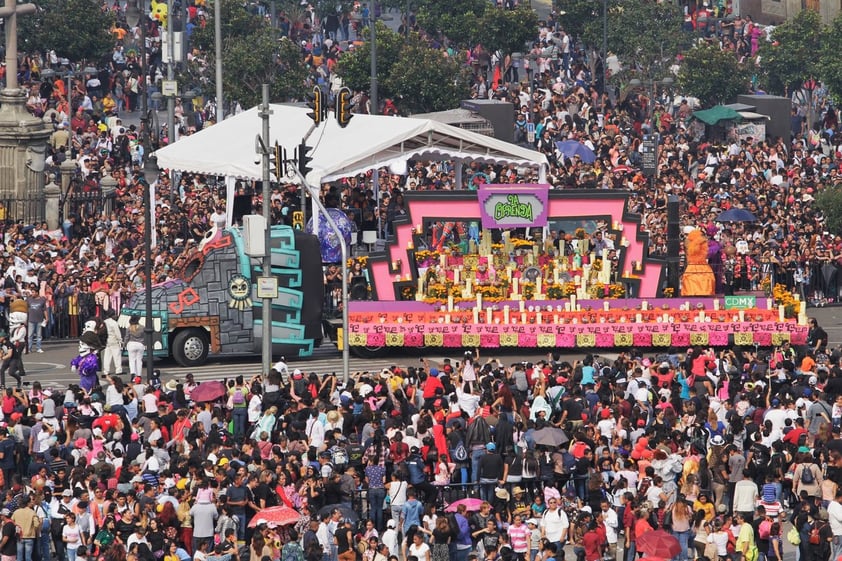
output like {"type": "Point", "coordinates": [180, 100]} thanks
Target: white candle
{"type": "Point", "coordinates": [515, 284]}
{"type": "Point", "coordinates": [521, 305]}
{"type": "Point", "coordinates": [572, 301]}
{"type": "Point", "coordinates": [742, 315]}
{"type": "Point", "coordinates": [666, 318]}
{"type": "Point", "coordinates": [605, 306]}
{"type": "Point", "coordinates": [456, 276]}
{"type": "Point", "coordinates": [476, 315]}
{"type": "Point", "coordinates": [419, 294]}
{"type": "Point", "coordinates": [638, 318]}
{"type": "Point", "coordinates": [523, 317]}
{"type": "Point", "coordinates": [488, 312]}
{"type": "Point", "coordinates": [506, 314]}
{"type": "Point", "coordinates": [539, 317]}
{"type": "Point", "coordinates": [555, 318]}
{"type": "Point", "coordinates": [716, 304]}
{"type": "Point", "coordinates": [443, 260]}
{"type": "Point", "coordinates": [803, 308]}
{"type": "Point", "coordinates": [797, 297]}
{"type": "Point", "coordinates": [644, 305]}
{"type": "Point", "coordinates": [781, 313]}
{"type": "Point", "coordinates": [469, 286]}
{"type": "Point", "coordinates": [555, 274]}
{"type": "Point", "coordinates": [769, 304]}
{"type": "Point", "coordinates": [701, 316]}
{"type": "Point", "coordinates": [538, 286]}
{"type": "Point", "coordinates": [567, 306]}
{"type": "Point", "coordinates": [449, 302]}
{"type": "Point", "coordinates": [509, 274]}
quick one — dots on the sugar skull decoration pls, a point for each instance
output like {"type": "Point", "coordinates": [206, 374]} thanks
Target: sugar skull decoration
{"type": "Point", "coordinates": [86, 362]}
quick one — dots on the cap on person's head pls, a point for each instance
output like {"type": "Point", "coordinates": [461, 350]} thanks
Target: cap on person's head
{"type": "Point", "coordinates": [491, 447]}
{"type": "Point", "coordinates": [137, 380]}
{"type": "Point", "coordinates": [532, 521]}
{"type": "Point", "coordinates": [5, 512]}
{"type": "Point", "coordinates": [776, 402]}
{"type": "Point", "coordinates": [803, 450]}
{"type": "Point", "coordinates": [222, 462]}
{"type": "Point", "coordinates": [297, 374]}
{"type": "Point", "coordinates": [722, 509]}
{"type": "Point", "coordinates": [808, 392]}
{"type": "Point", "coordinates": [390, 524]}
{"type": "Point", "coordinates": [812, 380]}
{"type": "Point", "coordinates": [501, 493]}
{"type": "Point", "coordinates": [434, 372]}
{"type": "Point", "coordinates": [606, 413]}
{"type": "Point", "coordinates": [80, 443]}
{"type": "Point", "coordinates": [67, 493]}
{"type": "Point", "coordinates": [717, 440]}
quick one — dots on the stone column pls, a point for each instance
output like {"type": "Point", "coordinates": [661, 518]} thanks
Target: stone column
{"type": "Point", "coordinates": [52, 196]}
{"type": "Point", "coordinates": [68, 168]}
{"type": "Point", "coordinates": [109, 186]}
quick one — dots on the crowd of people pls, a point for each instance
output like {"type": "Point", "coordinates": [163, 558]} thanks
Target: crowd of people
{"type": "Point", "coordinates": [735, 453]}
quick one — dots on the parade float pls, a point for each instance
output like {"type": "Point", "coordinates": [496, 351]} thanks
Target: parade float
{"type": "Point", "coordinates": [524, 266]}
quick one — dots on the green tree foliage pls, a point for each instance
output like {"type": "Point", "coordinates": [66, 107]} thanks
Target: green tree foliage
{"type": "Point", "coordinates": [795, 52]}
{"type": "Point", "coordinates": [440, 86]}
{"type": "Point", "coordinates": [831, 65]}
{"type": "Point", "coordinates": [236, 22]}
{"type": "Point", "coordinates": [507, 30]}
{"type": "Point", "coordinates": [76, 29]}
{"type": "Point", "coordinates": [252, 56]}
{"type": "Point", "coordinates": [645, 35]}
{"type": "Point", "coordinates": [355, 66]}
{"type": "Point", "coordinates": [580, 14]}
{"type": "Point", "coordinates": [829, 201]}
{"type": "Point", "coordinates": [458, 20]}
{"type": "Point", "coordinates": [417, 77]}
{"type": "Point", "coordinates": [712, 75]}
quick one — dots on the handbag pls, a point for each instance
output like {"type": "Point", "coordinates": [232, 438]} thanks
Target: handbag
{"type": "Point", "coordinates": [794, 536]}
{"type": "Point", "coordinates": [752, 554]}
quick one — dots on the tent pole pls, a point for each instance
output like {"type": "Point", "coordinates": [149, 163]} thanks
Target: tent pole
{"type": "Point", "coordinates": [459, 165]}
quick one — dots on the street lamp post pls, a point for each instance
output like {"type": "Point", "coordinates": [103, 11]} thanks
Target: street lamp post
{"type": "Point", "coordinates": [150, 175]}
{"type": "Point", "coordinates": [604, 48]}
{"type": "Point", "coordinates": [374, 104]}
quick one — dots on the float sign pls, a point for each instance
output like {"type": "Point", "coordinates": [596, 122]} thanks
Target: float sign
{"type": "Point", "coordinates": [514, 206]}
{"type": "Point", "coordinates": [740, 302]}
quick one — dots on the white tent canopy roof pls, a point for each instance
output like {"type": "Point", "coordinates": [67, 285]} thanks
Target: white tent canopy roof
{"type": "Point", "coordinates": [369, 141]}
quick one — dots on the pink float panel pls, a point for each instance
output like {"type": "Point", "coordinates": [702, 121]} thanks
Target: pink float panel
{"type": "Point", "coordinates": [465, 206]}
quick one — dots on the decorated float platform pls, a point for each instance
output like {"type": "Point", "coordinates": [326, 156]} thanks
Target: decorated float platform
{"type": "Point", "coordinates": [526, 266]}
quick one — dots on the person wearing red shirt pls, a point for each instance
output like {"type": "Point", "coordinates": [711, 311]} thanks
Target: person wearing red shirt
{"type": "Point", "coordinates": [593, 541]}
{"type": "Point", "coordinates": [431, 384]}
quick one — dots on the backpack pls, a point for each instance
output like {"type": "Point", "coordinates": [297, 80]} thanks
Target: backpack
{"type": "Point", "coordinates": [763, 529]}
{"type": "Point", "coordinates": [459, 453]}
{"type": "Point", "coordinates": [807, 475]}
{"type": "Point", "coordinates": [238, 398]}
{"type": "Point", "coordinates": [355, 454]}
{"type": "Point", "coordinates": [815, 534]}
{"type": "Point", "coordinates": [292, 552]}
{"type": "Point", "coordinates": [339, 456]}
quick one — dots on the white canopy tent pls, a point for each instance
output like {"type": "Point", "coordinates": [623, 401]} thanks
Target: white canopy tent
{"type": "Point", "coordinates": [369, 141]}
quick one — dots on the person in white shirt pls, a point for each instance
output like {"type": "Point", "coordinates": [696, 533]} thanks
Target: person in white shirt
{"type": "Point", "coordinates": [554, 523]}
{"type": "Point", "coordinates": [611, 522]}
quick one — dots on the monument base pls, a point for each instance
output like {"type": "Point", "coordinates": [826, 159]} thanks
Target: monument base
{"type": "Point", "coordinates": [23, 146]}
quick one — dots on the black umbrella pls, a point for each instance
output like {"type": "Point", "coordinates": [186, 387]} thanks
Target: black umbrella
{"type": "Point", "coordinates": [736, 215]}
{"type": "Point", "coordinates": [550, 436]}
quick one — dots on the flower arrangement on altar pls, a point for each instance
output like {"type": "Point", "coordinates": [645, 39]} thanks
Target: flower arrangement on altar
{"type": "Point", "coordinates": [669, 292]}
{"type": "Point", "coordinates": [497, 247]}
{"type": "Point", "coordinates": [519, 243]}
{"type": "Point", "coordinates": [426, 257]}
{"type": "Point", "coordinates": [528, 290]}
{"type": "Point", "coordinates": [785, 298]}
{"type": "Point", "coordinates": [438, 290]}
{"type": "Point", "coordinates": [766, 285]}
{"type": "Point", "coordinates": [362, 260]}
{"type": "Point", "coordinates": [580, 234]}
{"type": "Point", "coordinates": [601, 290]}
{"type": "Point", "coordinates": [490, 292]}
{"type": "Point", "coordinates": [596, 265]}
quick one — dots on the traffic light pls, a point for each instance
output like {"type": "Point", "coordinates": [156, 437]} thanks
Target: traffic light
{"type": "Point", "coordinates": [280, 161]}
{"type": "Point", "coordinates": [317, 104]}
{"type": "Point", "coordinates": [304, 159]}
{"type": "Point", "coordinates": [343, 107]}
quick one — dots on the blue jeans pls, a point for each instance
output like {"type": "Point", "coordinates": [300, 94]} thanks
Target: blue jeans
{"type": "Point", "coordinates": [376, 496]}
{"type": "Point", "coordinates": [241, 526]}
{"type": "Point", "coordinates": [25, 550]}
{"type": "Point", "coordinates": [486, 489]}
{"type": "Point", "coordinates": [71, 554]}
{"type": "Point", "coordinates": [240, 417]}
{"type": "Point", "coordinates": [34, 335]}
{"type": "Point", "coordinates": [43, 545]}
{"type": "Point", "coordinates": [683, 541]}
{"type": "Point", "coordinates": [475, 457]}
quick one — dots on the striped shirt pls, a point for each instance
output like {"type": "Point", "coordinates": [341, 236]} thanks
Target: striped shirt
{"type": "Point", "coordinates": [519, 536]}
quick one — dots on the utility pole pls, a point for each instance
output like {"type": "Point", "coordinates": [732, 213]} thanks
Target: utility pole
{"type": "Point", "coordinates": [264, 113]}
{"type": "Point", "coordinates": [373, 95]}
{"type": "Point", "coordinates": [217, 31]}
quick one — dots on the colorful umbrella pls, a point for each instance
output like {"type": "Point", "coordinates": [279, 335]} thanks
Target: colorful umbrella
{"type": "Point", "coordinates": [622, 169]}
{"type": "Point", "coordinates": [471, 504]}
{"type": "Point", "coordinates": [736, 215]}
{"type": "Point", "coordinates": [571, 148]}
{"type": "Point", "coordinates": [275, 515]}
{"type": "Point", "coordinates": [658, 543]}
{"type": "Point", "coordinates": [208, 391]}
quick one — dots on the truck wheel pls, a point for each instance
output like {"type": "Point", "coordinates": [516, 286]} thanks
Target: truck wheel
{"type": "Point", "coordinates": [190, 347]}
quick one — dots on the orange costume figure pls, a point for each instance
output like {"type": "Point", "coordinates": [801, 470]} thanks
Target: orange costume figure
{"type": "Point", "coordinates": [698, 279]}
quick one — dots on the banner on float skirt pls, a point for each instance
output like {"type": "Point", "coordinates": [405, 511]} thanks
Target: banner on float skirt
{"type": "Point", "coordinates": [573, 335]}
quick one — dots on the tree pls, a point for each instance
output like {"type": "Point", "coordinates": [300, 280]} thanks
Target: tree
{"type": "Point", "coordinates": [645, 35]}
{"type": "Point", "coordinates": [794, 53]}
{"type": "Point", "coordinates": [252, 56]}
{"type": "Point", "coordinates": [580, 14]}
{"type": "Point", "coordinates": [829, 201]}
{"type": "Point", "coordinates": [457, 20]}
{"type": "Point", "coordinates": [831, 66]}
{"type": "Point", "coordinates": [425, 79]}
{"type": "Point", "coordinates": [712, 74]}
{"type": "Point", "coordinates": [355, 66]}
{"type": "Point", "coordinates": [417, 77]}
{"type": "Point", "coordinates": [507, 30]}
{"type": "Point", "coordinates": [76, 29]}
